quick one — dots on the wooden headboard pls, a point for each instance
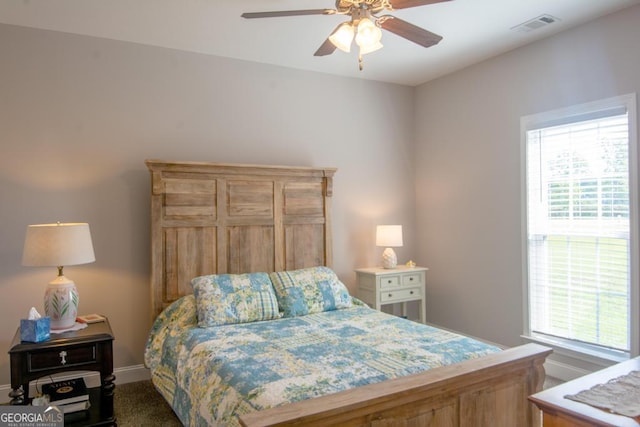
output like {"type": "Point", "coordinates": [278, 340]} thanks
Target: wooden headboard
{"type": "Point", "coordinates": [212, 218]}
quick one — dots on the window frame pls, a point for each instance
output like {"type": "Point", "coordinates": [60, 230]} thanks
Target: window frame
{"type": "Point", "coordinates": [567, 115]}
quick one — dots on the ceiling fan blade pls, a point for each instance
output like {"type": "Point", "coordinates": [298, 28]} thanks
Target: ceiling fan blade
{"type": "Point", "coordinates": [405, 4]}
{"type": "Point", "coordinates": [409, 31]}
{"type": "Point", "coordinates": [277, 14]}
{"type": "Point", "coordinates": [327, 48]}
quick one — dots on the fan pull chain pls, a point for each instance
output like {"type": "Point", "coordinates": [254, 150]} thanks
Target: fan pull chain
{"type": "Point", "coordinates": [360, 65]}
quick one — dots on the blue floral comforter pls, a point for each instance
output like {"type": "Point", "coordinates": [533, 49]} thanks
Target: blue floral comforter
{"type": "Point", "coordinates": [212, 375]}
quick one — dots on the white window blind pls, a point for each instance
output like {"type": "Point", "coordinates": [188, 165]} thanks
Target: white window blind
{"type": "Point", "coordinates": [578, 207]}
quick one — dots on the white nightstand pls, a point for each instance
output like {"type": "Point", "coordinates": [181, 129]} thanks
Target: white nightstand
{"type": "Point", "coordinates": [380, 286]}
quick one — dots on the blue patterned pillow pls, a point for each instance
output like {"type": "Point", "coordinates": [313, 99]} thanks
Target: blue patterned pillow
{"type": "Point", "coordinates": [309, 290]}
{"type": "Point", "coordinates": [234, 298]}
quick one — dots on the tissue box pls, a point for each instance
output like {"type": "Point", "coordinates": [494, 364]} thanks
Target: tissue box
{"type": "Point", "coordinates": [35, 330]}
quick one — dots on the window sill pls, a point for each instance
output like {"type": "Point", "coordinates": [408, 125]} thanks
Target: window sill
{"type": "Point", "coordinates": [598, 357]}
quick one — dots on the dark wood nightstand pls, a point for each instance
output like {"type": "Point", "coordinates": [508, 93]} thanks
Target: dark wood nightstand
{"type": "Point", "coordinates": [89, 349]}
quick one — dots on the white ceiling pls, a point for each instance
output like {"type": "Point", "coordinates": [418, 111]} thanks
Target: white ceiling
{"type": "Point", "coordinates": [473, 30]}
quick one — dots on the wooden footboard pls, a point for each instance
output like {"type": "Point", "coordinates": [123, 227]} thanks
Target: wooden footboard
{"type": "Point", "coordinates": [490, 391]}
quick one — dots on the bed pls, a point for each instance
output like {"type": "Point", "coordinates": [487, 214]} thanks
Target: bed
{"type": "Point", "coordinates": [224, 223]}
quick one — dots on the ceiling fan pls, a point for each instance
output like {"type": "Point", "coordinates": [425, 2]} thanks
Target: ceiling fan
{"type": "Point", "coordinates": [365, 25]}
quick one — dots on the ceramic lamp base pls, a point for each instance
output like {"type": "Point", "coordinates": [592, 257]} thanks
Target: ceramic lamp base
{"type": "Point", "coordinates": [61, 301]}
{"type": "Point", "coordinates": [389, 258]}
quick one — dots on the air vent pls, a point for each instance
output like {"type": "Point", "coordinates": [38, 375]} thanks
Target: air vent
{"type": "Point", "coordinates": [534, 24]}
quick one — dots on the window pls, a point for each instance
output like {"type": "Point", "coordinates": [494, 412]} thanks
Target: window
{"type": "Point", "coordinates": [581, 228]}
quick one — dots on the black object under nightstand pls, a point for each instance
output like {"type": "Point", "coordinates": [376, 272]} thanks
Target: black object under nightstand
{"type": "Point", "coordinates": [89, 349]}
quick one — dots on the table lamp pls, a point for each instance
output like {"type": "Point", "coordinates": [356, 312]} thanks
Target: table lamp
{"type": "Point", "coordinates": [389, 236]}
{"type": "Point", "coordinates": [59, 245]}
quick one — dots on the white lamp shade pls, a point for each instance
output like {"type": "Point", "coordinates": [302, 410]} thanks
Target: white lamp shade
{"type": "Point", "coordinates": [389, 236]}
{"type": "Point", "coordinates": [370, 48]}
{"type": "Point", "coordinates": [58, 244]}
{"type": "Point", "coordinates": [342, 37]}
{"type": "Point", "coordinates": [368, 36]}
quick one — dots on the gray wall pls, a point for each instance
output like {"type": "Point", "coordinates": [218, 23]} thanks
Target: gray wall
{"type": "Point", "coordinates": [468, 164]}
{"type": "Point", "coordinates": [79, 115]}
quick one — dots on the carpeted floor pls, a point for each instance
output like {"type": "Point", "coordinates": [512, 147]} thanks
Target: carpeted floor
{"type": "Point", "coordinates": [138, 404]}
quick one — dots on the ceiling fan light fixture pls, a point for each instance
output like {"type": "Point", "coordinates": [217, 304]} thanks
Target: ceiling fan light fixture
{"type": "Point", "coordinates": [365, 26]}
{"type": "Point", "coordinates": [342, 37]}
{"type": "Point", "coordinates": [368, 36]}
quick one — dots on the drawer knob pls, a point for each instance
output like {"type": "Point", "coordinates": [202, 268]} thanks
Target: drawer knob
{"type": "Point", "coordinates": [388, 281]}
{"type": "Point", "coordinates": [390, 295]}
{"type": "Point", "coordinates": [411, 279]}
{"type": "Point", "coordinates": [63, 355]}
{"type": "Point", "coordinates": [411, 292]}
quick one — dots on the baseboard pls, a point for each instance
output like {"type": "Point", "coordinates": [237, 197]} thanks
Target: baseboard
{"type": "Point", "coordinates": [131, 374]}
{"type": "Point", "coordinates": [127, 374]}
{"type": "Point", "coordinates": [563, 371]}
